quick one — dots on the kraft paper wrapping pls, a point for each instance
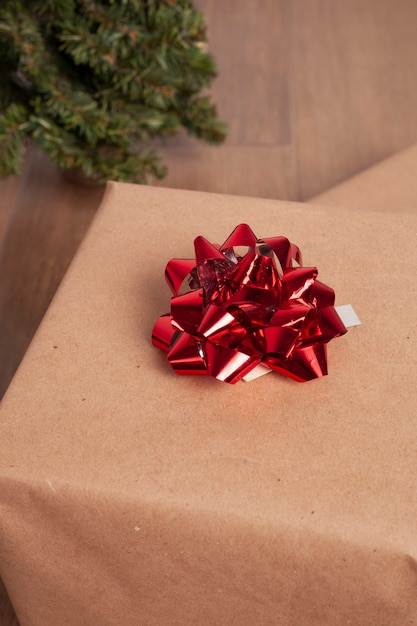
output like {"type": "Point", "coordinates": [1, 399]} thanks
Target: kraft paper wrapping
{"type": "Point", "coordinates": [390, 185]}
{"type": "Point", "coordinates": [130, 495]}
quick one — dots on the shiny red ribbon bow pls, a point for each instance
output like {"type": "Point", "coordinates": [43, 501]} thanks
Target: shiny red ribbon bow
{"type": "Point", "coordinates": [247, 302]}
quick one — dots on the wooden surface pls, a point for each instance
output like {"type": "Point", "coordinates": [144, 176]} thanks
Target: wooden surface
{"type": "Point", "coordinates": [314, 91]}
{"type": "Point", "coordinates": [49, 219]}
{"type": "Point", "coordinates": [355, 86]}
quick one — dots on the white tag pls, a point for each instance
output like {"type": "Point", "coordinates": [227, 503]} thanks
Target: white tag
{"type": "Point", "coordinates": [257, 371]}
{"type": "Point", "coordinates": [347, 314]}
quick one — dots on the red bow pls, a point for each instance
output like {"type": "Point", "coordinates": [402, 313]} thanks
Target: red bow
{"type": "Point", "coordinates": [247, 302]}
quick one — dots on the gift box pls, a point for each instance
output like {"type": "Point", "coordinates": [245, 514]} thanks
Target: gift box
{"type": "Point", "coordinates": [390, 185]}
{"type": "Point", "coordinates": [131, 495]}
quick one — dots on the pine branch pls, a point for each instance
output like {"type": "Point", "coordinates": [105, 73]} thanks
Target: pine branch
{"type": "Point", "coordinates": [93, 82]}
{"type": "Point", "coordinates": [201, 120]}
{"type": "Point", "coordinates": [12, 140]}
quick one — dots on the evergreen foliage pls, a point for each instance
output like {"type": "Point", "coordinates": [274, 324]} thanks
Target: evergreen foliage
{"type": "Point", "coordinates": [94, 82]}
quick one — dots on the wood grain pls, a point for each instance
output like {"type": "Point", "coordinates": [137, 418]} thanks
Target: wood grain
{"type": "Point", "coordinates": [254, 83]}
{"type": "Point", "coordinates": [313, 92]}
{"type": "Point", "coordinates": [261, 170]}
{"type": "Point", "coordinates": [354, 69]}
{"type": "Point", "coordinates": [49, 220]}
{"type": "Point", "coordinates": [250, 43]}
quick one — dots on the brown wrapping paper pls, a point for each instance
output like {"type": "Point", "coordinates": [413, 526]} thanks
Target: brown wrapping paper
{"type": "Point", "coordinates": [390, 185]}
{"type": "Point", "coordinates": [130, 495]}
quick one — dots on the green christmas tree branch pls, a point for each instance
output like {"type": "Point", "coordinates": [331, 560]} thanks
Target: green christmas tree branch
{"type": "Point", "coordinates": [12, 136]}
{"type": "Point", "coordinates": [94, 82]}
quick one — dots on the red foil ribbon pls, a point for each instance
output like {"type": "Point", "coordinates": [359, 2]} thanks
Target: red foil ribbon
{"type": "Point", "coordinates": [246, 302]}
